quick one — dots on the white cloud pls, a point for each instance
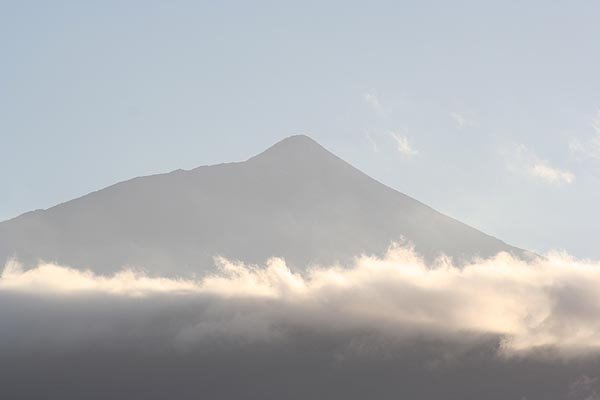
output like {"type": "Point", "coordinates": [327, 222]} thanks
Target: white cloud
{"type": "Point", "coordinates": [462, 121]}
{"type": "Point", "coordinates": [403, 146]}
{"type": "Point", "coordinates": [596, 125]}
{"type": "Point", "coordinates": [576, 146]}
{"type": "Point", "coordinates": [48, 278]}
{"type": "Point", "coordinates": [590, 148]}
{"type": "Point", "coordinates": [550, 301]}
{"type": "Point", "coordinates": [528, 162]}
{"type": "Point", "coordinates": [550, 174]}
{"type": "Point", "coordinates": [373, 101]}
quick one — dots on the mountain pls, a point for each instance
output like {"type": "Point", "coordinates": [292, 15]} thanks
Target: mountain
{"type": "Point", "coordinates": [295, 200]}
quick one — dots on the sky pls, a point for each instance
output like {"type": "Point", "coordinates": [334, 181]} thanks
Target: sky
{"type": "Point", "coordinates": [489, 113]}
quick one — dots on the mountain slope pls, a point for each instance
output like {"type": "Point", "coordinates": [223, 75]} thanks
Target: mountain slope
{"type": "Point", "coordinates": [295, 200]}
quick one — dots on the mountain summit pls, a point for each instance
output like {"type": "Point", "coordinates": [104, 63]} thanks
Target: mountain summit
{"type": "Point", "coordinates": [295, 200]}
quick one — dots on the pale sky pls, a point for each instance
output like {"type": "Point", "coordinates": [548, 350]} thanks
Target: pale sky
{"type": "Point", "coordinates": [487, 112]}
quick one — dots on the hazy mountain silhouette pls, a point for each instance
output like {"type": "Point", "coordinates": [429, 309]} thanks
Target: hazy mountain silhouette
{"type": "Point", "coordinates": [295, 200]}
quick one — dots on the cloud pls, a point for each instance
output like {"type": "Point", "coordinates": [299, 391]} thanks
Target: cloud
{"type": "Point", "coordinates": [525, 160]}
{"type": "Point", "coordinates": [403, 145]}
{"type": "Point", "coordinates": [52, 278]}
{"type": "Point", "coordinates": [492, 329]}
{"type": "Point", "coordinates": [590, 148]}
{"type": "Point", "coordinates": [550, 302]}
{"type": "Point", "coordinates": [596, 126]}
{"type": "Point", "coordinates": [550, 174]}
{"type": "Point", "coordinates": [372, 141]}
{"type": "Point", "coordinates": [462, 121]}
{"type": "Point", "coordinates": [373, 101]}
{"type": "Point", "coordinates": [576, 146]}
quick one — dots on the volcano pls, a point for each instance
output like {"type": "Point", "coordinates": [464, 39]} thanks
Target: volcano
{"type": "Point", "coordinates": [296, 200]}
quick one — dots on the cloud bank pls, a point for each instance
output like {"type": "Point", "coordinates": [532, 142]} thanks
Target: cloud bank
{"type": "Point", "coordinates": [551, 302]}
{"type": "Point", "coordinates": [380, 328]}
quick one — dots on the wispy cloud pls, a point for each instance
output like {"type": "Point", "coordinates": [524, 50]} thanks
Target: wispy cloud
{"type": "Point", "coordinates": [596, 125]}
{"type": "Point", "coordinates": [372, 141]}
{"type": "Point", "coordinates": [589, 148]}
{"type": "Point", "coordinates": [402, 144]}
{"type": "Point", "coordinates": [526, 161]}
{"type": "Point", "coordinates": [551, 174]}
{"type": "Point", "coordinates": [373, 101]}
{"type": "Point", "coordinates": [462, 121]}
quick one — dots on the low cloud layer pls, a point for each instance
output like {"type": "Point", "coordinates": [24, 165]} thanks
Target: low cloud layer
{"type": "Point", "coordinates": [551, 302]}
{"type": "Point", "coordinates": [389, 325]}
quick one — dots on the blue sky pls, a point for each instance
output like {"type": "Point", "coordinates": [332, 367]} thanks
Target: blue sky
{"type": "Point", "coordinates": [487, 112]}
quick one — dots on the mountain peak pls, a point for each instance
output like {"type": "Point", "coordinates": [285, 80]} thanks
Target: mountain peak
{"type": "Point", "coordinates": [298, 140]}
{"type": "Point", "coordinates": [296, 147]}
